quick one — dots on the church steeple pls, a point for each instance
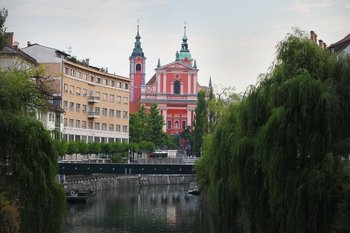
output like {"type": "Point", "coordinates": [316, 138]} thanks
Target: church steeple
{"type": "Point", "coordinates": [184, 45]}
{"type": "Point", "coordinates": [184, 52]}
{"type": "Point", "coordinates": [137, 51]}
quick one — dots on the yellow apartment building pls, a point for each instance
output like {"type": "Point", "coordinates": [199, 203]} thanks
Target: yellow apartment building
{"type": "Point", "coordinates": [96, 103]}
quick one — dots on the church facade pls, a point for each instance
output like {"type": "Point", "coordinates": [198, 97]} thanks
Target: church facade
{"type": "Point", "coordinates": [173, 87]}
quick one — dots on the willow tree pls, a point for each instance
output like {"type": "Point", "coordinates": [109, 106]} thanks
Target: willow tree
{"type": "Point", "coordinates": [284, 144]}
{"type": "Point", "coordinates": [28, 161]}
{"type": "Point", "coordinates": [200, 125]}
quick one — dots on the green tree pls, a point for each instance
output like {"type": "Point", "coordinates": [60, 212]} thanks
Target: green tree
{"type": "Point", "coordinates": [200, 125]}
{"type": "Point", "coordinates": [136, 129]}
{"type": "Point", "coordinates": [28, 161]}
{"type": "Point", "coordinates": [276, 157]}
{"type": "Point", "coordinates": [155, 125]}
{"type": "Point", "coordinates": [3, 37]}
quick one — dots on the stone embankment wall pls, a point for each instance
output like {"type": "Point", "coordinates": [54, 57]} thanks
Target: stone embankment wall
{"type": "Point", "coordinates": [101, 182]}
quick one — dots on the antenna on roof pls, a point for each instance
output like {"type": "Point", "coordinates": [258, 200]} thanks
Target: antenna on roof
{"type": "Point", "coordinates": [69, 49]}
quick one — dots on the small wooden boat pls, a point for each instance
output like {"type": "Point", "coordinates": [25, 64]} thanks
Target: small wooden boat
{"type": "Point", "coordinates": [194, 192]}
{"type": "Point", "coordinates": [79, 195]}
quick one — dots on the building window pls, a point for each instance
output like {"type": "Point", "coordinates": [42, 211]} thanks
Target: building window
{"type": "Point", "coordinates": [111, 112]}
{"type": "Point", "coordinates": [65, 105]}
{"type": "Point", "coordinates": [104, 111]}
{"type": "Point", "coordinates": [83, 124]}
{"type": "Point", "coordinates": [97, 126]}
{"type": "Point", "coordinates": [72, 72]}
{"type": "Point", "coordinates": [71, 106]}
{"type": "Point", "coordinates": [71, 123]}
{"type": "Point", "coordinates": [77, 107]}
{"type": "Point", "coordinates": [97, 110]}
{"type": "Point", "coordinates": [169, 124]}
{"type": "Point", "coordinates": [118, 113]}
{"type": "Point", "coordinates": [183, 124]}
{"type": "Point", "coordinates": [78, 74]}
{"type": "Point", "coordinates": [176, 125]}
{"type": "Point", "coordinates": [77, 91]}
{"type": "Point", "coordinates": [125, 114]}
{"type": "Point", "coordinates": [126, 86]}
{"type": "Point", "coordinates": [125, 100]}
{"type": "Point", "coordinates": [119, 99]}
{"type": "Point", "coordinates": [177, 87]}
{"type": "Point", "coordinates": [71, 89]}
{"type": "Point", "coordinates": [66, 70]}
{"type": "Point", "coordinates": [65, 87]}
{"type": "Point", "coordinates": [51, 117]}
{"type": "Point", "coordinates": [111, 127]}
{"type": "Point", "coordinates": [111, 98]}
{"type": "Point", "coordinates": [125, 128]}
{"type": "Point", "coordinates": [91, 125]}
{"type": "Point", "coordinates": [105, 81]}
{"type": "Point", "coordinates": [104, 96]}
{"type": "Point", "coordinates": [84, 92]}
{"type": "Point", "coordinates": [77, 123]}
{"type": "Point", "coordinates": [117, 128]}
{"type": "Point", "coordinates": [104, 126]}
{"type": "Point", "coordinates": [112, 83]}
{"type": "Point", "coordinates": [84, 108]}
{"type": "Point", "coordinates": [98, 80]}
{"type": "Point", "coordinates": [138, 67]}
{"type": "Point", "coordinates": [92, 78]}
{"type": "Point", "coordinates": [65, 122]}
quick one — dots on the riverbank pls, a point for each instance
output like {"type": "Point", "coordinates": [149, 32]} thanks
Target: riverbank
{"type": "Point", "coordinates": [104, 182]}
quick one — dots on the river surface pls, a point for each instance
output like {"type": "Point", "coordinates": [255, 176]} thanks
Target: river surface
{"type": "Point", "coordinates": [156, 209]}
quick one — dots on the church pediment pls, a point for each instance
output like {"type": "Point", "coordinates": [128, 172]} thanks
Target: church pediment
{"type": "Point", "coordinates": [176, 66]}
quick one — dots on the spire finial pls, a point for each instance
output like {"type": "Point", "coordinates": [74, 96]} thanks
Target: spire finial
{"type": "Point", "coordinates": [185, 28]}
{"type": "Point", "coordinates": [138, 25]}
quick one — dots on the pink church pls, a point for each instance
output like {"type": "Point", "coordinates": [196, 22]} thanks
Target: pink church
{"type": "Point", "coordinates": [173, 87]}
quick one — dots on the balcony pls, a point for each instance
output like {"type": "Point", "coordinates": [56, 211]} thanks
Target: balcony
{"type": "Point", "coordinates": [93, 115]}
{"type": "Point", "coordinates": [93, 99]}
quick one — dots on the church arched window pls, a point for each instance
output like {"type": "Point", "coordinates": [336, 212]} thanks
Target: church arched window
{"type": "Point", "coordinates": [138, 67]}
{"type": "Point", "coordinates": [177, 87]}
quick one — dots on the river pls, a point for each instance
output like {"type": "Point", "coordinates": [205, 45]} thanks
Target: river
{"type": "Point", "coordinates": [156, 209]}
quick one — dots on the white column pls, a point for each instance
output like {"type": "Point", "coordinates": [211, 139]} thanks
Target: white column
{"type": "Point", "coordinates": [164, 82]}
{"type": "Point", "coordinates": [165, 120]}
{"type": "Point", "coordinates": [188, 117]}
{"type": "Point", "coordinates": [158, 83]}
{"type": "Point", "coordinates": [189, 84]}
{"type": "Point", "coordinates": [171, 87]}
{"type": "Point", "coordinates": [181, 87]}
{"type": "Point", "coordinates": [194, 84]}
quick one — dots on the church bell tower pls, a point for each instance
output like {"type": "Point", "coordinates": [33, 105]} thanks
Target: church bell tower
{"type": "Point", "coordinates": [137, 73]}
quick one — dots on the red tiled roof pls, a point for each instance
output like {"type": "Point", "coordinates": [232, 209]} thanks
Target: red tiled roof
{"type": "Point", "coordinates": [340, 45]}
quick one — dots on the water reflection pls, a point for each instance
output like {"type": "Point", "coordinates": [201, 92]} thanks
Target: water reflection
{"type": "Point", "coordinates": [149, 209]}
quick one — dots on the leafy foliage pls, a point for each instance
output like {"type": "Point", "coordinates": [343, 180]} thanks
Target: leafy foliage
{"type": "Point", "coordinates": [9, 216]}
{"type": "Point", "coordinates": [28, 161]}
{"type": "Point", "coordinates": [200, 123]}
{"type": "Point", "coordinates": [276, 157]}
{"type": "Point", "coordinates": [148, 126]}
{"type": "Point", "coordinates": [3, 38]}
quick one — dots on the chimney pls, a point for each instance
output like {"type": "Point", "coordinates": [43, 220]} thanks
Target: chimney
{"type": "Point", "coordinates": [320, 43]}
{"type": "Point", "coordinates": [9, 36]}
{"type": "Point", "coordinates": [313, 36]}
{"type": "Point", "coordinates": [29, 44]}
{"type": "Point", "coordinates": [15, 45]}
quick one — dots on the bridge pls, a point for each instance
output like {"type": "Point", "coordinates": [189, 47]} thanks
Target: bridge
{"type": "Point", "coordinates": [116, 168]}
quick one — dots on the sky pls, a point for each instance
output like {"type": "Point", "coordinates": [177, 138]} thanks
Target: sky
{"type": "Point", "coordinates": [232, 41]}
